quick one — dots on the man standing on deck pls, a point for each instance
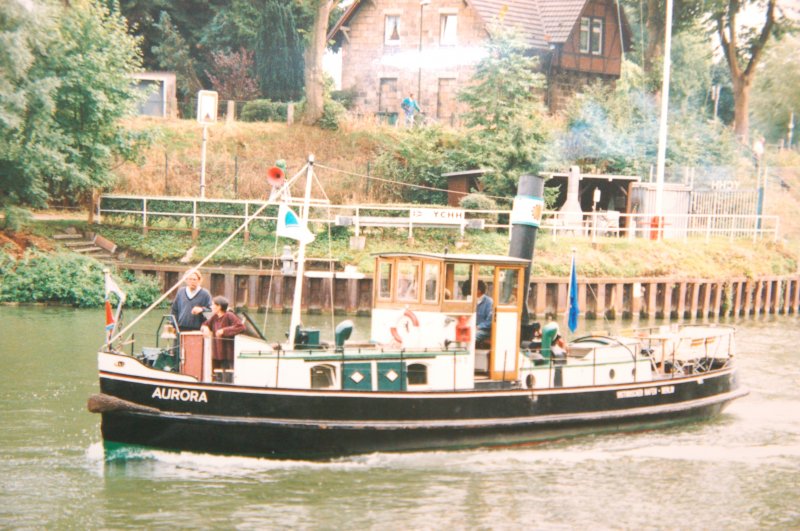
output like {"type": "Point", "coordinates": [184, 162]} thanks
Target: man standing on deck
{"type": "Point", "coordinates": [190, 303]}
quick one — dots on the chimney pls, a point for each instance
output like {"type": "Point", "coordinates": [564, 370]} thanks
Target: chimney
{"type": "Point", "coordinates": [526, 216]}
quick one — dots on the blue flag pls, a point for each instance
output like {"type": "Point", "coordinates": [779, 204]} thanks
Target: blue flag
{"type": "Point", "coordinates": [574, 309]}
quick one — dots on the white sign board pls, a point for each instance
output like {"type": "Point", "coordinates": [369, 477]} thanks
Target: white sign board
{"type": "Point", "coordinates": [207, 106]}
{"type": "Point", "coordinates": [438, 216]}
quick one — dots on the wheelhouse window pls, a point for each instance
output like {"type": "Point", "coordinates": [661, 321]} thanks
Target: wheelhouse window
{"type": "Point", "coordinates": [591, 38]}
{"type": "Point", "coordinates": [509, 283]}
{"type": "Point", "coordinates": [431, 282]}
{"type": "Point", "coordinates": [407, 281]}
{"type": "Point", "coordinates": [458, 282]}
{"type": "Point", "coordinates": [448, 29]}
{"type": "Point", "coordinates": [385, 280]}
{"type": "Point", "coordinates": [417, 374]}
{"type": "Point", "coordinates": [323, 377]}
{"type": "Point", "coordinates": [392, 29]}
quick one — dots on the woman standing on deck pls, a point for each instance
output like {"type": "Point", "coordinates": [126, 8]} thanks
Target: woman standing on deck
{"type": "Point", "coordinates": [222, 326]}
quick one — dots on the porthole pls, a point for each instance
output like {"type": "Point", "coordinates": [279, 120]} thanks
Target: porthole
{"type": "Point", "coordinates": [611, 374]}
{"type": "Point", "coordinates": [530, 381]}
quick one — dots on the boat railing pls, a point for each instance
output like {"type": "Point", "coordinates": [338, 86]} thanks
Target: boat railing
{"type": "Point", "coordinates": [685, 349]}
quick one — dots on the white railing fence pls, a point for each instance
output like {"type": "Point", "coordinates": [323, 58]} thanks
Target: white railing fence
{"type": "Point", "coordinates": [166, 212]}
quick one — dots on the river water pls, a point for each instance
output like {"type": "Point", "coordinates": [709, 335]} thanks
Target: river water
{"type": "Point", "coordinates": [739, 471]}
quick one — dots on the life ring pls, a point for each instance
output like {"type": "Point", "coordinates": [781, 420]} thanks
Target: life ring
{"type": "Point", "coordinates": [404, 323]}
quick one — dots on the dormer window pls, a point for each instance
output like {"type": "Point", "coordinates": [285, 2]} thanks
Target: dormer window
{"type": "Point", "coordinates": [392, 30]}
{"type": "Point", "coordinates": [591, 35]}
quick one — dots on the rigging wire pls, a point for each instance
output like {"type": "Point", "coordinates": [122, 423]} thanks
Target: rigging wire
{"type": "Point", "coordinates": [330, 255]}
{"type": "Point", "coordinates": [420, 186]}
{"type": "Point", "coordinates": [269, 290]}
{"type": "Point", "coordinates": [202, 262]}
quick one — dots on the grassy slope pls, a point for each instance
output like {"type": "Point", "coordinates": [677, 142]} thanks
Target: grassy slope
{"type": "Point", "coordinates": [259, 145]}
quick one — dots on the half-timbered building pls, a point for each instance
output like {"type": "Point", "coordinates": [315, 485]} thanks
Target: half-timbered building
{"type": "Point", "coordinates": [393, 48]}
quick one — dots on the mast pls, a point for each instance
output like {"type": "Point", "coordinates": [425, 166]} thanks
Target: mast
{"type": "Point", "coordinates": [662, 126]}
{"type": "Point", "coordinates": [301, 255]}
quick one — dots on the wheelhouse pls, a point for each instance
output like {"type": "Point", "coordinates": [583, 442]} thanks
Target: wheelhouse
{"type": "Point", "coordinates": [422, 295]}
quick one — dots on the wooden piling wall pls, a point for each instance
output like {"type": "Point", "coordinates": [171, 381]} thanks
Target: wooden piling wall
{"type": "Point", "coordinates": [598, 298]}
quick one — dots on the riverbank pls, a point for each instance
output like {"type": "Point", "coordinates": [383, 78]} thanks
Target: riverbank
{"type": "Point", "coordinates": [712, 269]}
{"type": "Point", "coordinates": [712, 258]}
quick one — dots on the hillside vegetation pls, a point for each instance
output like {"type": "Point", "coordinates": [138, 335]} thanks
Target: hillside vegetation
{"type": "Point", "coordinates": [253, 147]}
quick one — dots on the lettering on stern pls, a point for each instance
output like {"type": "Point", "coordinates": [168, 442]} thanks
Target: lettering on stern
{"type": "Point", "coordinates": [649, 391]}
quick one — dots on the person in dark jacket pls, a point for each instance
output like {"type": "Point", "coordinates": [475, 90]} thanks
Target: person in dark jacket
{"type": "Point", "coordinates": [484, 314]}
{"type": "Point", "coordinates": [190, 303]}
{"type": "Point", "coordinates": [222, 326]}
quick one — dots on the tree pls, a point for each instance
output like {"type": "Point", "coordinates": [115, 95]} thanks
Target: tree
{"type": "Point", "coordinates": [743, 49]}
{"type": "Point", "coordinates": [173, 53]}
{"type": "Point", "coordinates": [68, 71]}
{"type": "Point", "coordinates": [775, 94]}
{"type": "Point", "coordinates": [614, 130]}
{"type": "Point", "coordinates": [685, 14]}
{"type": "Point", "coordinates": [315, 50]}
{"type": "Point", "coordinates": [505, 112]}
{"type": "Point", "coordinates": [279, 53]}
{"type": "Point", "coordinates": [233, 27]}
{"type": "Point", "coordinates": [230, 75]}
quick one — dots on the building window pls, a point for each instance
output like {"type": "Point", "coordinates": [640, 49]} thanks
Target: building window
{"type": "Point", "coordinates": [448, 30]}
{"type": "Point", "coordinates": [591, 40]}
{"type": "Point", "coordinates": [417, 374]}
{"type": "Point", "coordinates": [392, 30]}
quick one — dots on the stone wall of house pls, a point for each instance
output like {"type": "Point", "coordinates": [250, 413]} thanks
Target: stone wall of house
{"type": "Point", "coordinates": [382, 73]}
{"type": "Point", "coordinates": [564, 84]}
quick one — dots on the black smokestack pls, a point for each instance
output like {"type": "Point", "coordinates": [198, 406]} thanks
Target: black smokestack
{"type": "Point", "coordinates": [525, 219]}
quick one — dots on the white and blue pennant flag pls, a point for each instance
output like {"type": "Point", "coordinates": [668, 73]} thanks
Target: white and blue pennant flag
{"type": "Point", "coordinates": [290, 226]}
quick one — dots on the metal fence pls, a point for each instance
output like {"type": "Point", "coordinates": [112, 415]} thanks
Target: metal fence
{"type": "Point", "coordinates": [185, 213]}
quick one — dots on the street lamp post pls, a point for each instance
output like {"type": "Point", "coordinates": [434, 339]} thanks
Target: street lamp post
{"type": "Point", "coordinates": [422, 5]}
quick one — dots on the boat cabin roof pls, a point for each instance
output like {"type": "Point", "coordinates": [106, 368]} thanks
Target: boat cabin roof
{"type": "Point", "coordinates": [484, 259]}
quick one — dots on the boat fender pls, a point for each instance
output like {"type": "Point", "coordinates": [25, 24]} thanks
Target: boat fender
{"type": "Point", "coordinates": [103, 403]}
{"type": "Point", "coordinates": [404, 323]}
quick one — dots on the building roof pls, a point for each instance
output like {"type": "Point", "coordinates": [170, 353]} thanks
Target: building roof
{"type": "Point", "coordinates": [541, 22]}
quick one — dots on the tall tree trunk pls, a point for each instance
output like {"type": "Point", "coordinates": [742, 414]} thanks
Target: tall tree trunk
{"type": "Point", "coordinates": [315, 50]}
{"type": "Point", "coordinates": [741, 108]}
{"type": "Point", "coordinates": [742, 76]}
{"type": "Point", "coordinates": [654, 29]}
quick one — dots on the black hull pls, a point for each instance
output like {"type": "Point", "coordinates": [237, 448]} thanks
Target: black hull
{"type": "Point", "coordinates": [231, 420]}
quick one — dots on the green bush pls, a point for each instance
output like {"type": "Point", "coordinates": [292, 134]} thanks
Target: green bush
{"type": "Point", "coordinates": [479, 201]}
{"type": "Point", "coordinates": [16, 218]}
{"type": "Point", "coordinates": [332, 114]}
{"type": "Point", "coordinates": [264, 111]}
{"type": "Point", "coordinates": [345, 97]}
{"type": "Point", "coordinates": [65, 278]}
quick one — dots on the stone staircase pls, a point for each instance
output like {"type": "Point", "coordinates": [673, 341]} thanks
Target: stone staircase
{"type": "Point", "coordinates": [89, 244]}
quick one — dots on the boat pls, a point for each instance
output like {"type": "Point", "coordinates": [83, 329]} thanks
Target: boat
{"type": "Point", "coordinates": [422, 382]}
